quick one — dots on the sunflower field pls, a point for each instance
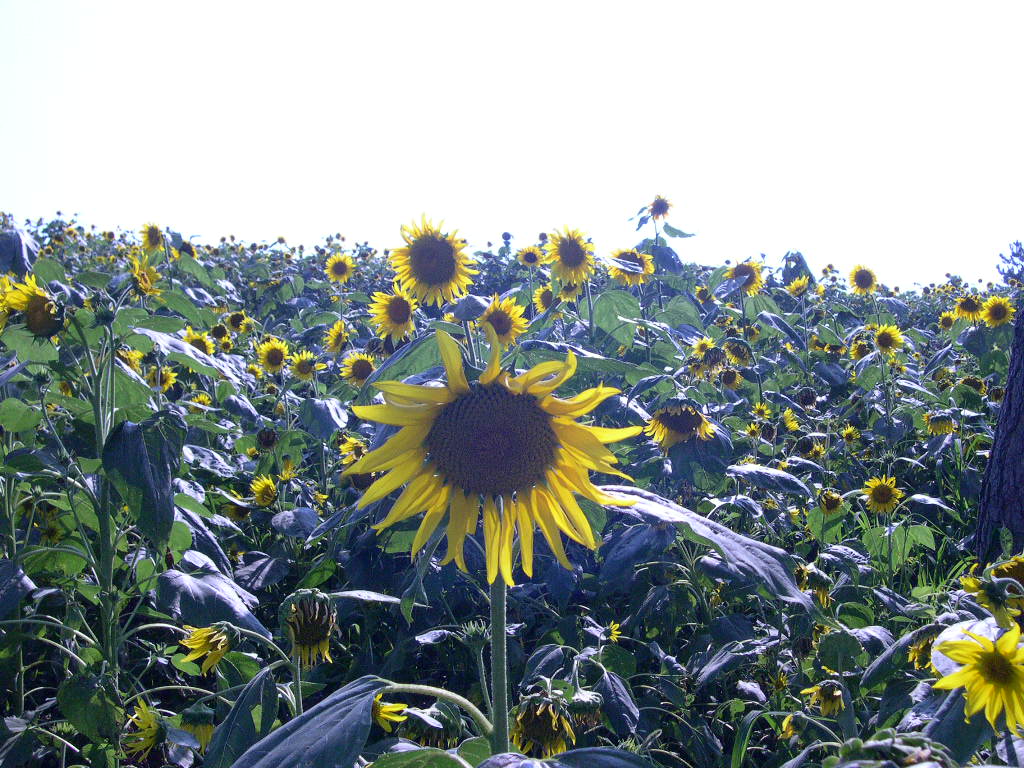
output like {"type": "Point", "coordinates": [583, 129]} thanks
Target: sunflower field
{"type": "Point", "coordinates": [269, 505]}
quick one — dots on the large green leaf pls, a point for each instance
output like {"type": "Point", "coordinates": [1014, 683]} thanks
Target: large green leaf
{"type": "Point", "coordinates": [419, 758]}
{"type": "Point", "coordinates": [613, 311]}
{"type": "Point", "coordinates": [769, 478]}
{"type": "Point", "coordinates": [238, 731]}
{"type": "Point", "coordinates": [88, 706]}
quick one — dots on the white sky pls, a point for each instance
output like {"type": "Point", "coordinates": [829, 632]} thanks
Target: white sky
{"type": "Point", "coordinates": [888, 133]}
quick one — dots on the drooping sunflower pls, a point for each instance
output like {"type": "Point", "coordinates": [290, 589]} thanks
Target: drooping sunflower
{"type": "Point", "coordinates": [997, 310]}
{"type": "Point", "coordinates": [152, 237]}
{"type": "Point", "coordinates": [863, 281]}
{"type": "Point", "coordinates": [339, 268]}
{"type": "Point", "coordinates": [570, 255]}
{"type": "Point", "coordinates": [506, 317]}
{"type": "Point", "coordinates": [210, 642]}
{"type": "Point", "coordinates": [198, 720]}
{"type": "Point", "coordinates": [749, 275]}
{"type": "Point", "coordinates": [41, 314]}
{"type": "Point", "coordinates": [881, 494]}
{"type": "Point", "coordinates": [335, 338]}
{"type": "Point", "coordinates": [392, 313]}
{"type": "Point", "coordinates": [992, 676]}
{"type": "Point", "coordinates": [357, 367]}
{"type": "Point", "coordinates": [386, 713]}
{"type": "Point", "coordinates": [658, 209]}
{"type": "Point", "coordinates": [543, 725]}
{"type": "Point", "coordinates": [939, 423]}
{"type": "Point", "coordinates": [543, 298]}
{"type": "Point", "coordinates": [264, 490]}
{"type": "Point", "coordinates": [676, 423]}
{"type": "Point", "coordinates": [968, 308]}
{"type": "Point", "coordinates": [149, 730]}
{"type": "Point", "coordinates": [888, 338]}
{"type": "Point", "coordinates": [432, 265]}
{"type": "Point", "coordinates": [996, 596]}
{"type": "Point", "coordinates": [504, 445]}
{"type": "Point", "coordinates": [304, 365]}
{"type": "Point", "coordinates": [531, 256]}
{"type": "Point", "coordinates": [199, 339]}
{"type": "Point", "coordinates": [828, 695]}
{"type": "Point", "coordinates": [635, 268]}
{"type": "Point", "coordinates": [738, 352]}
{"type": "Point", "coordinates": [311, 618]}
{"type": "Point", "coordinates": [789, 420]}
{"type": "Point", "coordinates": [730, 378]}
{"type": "Point", "coordinates": [272, 354]}
{"type": "Point", "coordinates": [352, 449]}
{"type": "Point", "coordinates": [946, 320]}
{"type": "Point", "coordinates": [798, 286]}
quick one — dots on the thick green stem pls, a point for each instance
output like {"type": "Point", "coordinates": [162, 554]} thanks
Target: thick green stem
{"type": "Point", "coordinates": [499, 667]}
{"type": "Point", "coordinates": [445, 695]}
{"type": "Point", "coordinates": [590, 309]}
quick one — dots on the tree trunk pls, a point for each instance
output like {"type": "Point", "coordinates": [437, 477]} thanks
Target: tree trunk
{"type": "Point", "coordinates": [1002, 490]}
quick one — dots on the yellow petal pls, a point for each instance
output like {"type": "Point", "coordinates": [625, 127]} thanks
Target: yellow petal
{"type": "Point", "coordinates": [508, 529]}
{"type": "Point", "coordinates": [416, 393]}
{"type": "Point", "coordinates": [494, 364]}
{"type": "Point", "coordinates": [526, 526]}
{"type": "Point", "coordinates": [400, 475]}
{"type": "Point", "coordinates": [412, 500]}
{"type": "Point", "coordinates": [406, 439]}
{"type": "Point", "coordinates": [492, 538]}
{"type": "Point", "coordinates": [579, 405]}
{"type": "Point", "coordinates": [452, 357]}
{"type": "Point", "coordinates": [395, 415]}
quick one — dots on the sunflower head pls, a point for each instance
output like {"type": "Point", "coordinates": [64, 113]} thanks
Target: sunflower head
{"type": "Point", "coordinates": [888, 338]}
{"type": "Point", "coordinates": [543, 724]}
{"type": "Point", "coordinates": [789, 420]}
{"type": "Point", "coordinates": [830, 501]}
{"type": "Point", "coordinates": [352, 449]}
{"type": "Point", "coordinates": [272, 354]}
{"type": "Point", "coordinates": [881, 494]}
{"type": "Point", "coordinates": [1002, 597]}
{"type": "Point", "coordinates": [569, 291]}
{"type": "Point", "coordinates": [828, 695]}
{"type": "Point", "coordinates": [152, 237]}
{"type": "Point", "coordinates": [730, 378]}
{"type": "Point", "coordinates": [149, 730]}
{"type": "Point", "coordinates": [392, 313]}
{"type": "Point", "coordinates": [947, 320]}
{"type": "Point", "coordinates": [386, 714]}
{"type": "Point", "coordinates": [658, 209]}
{"type": "Point", "coordinates": [530, 256]}
{"type": "Point", "coordinates": [335, 338]}
{"type": "Point", "coordinates": [198, 720]}
{"type": "Point", "coordinates": [339, 268]}
{"type": "Point", "coordinates": [144, 275]}
{"type": "Point", "coordinates": [165, 378]}
{"type": "Point", "coordinates": [304, 365]}
{"type": "Point", "coordinates": [631, 267]}
{"type": "Point", "coordinates": [504, 448]}
{"type": "Point", "coordinates": [997, 311]}
{"type": "Point", "coordinates": [920, 651]}
{"type": "Point", "coordinates": [506, 317]}
{"type": "Point", "coordinates": [571, 256]}
{"type": "Point", "coordinates": [211, 642]}
{"type": "Point", "coordinates": [42, 315]}
{"type": "Point", "coordinates": [850, 434]}
{"type": "Point", "coordinates": [543, 298]}
{"type": "Point", "coordinates": [357, 367]}
{"type": "Point", "coordinates": [199, 340]}
{"type": "Point", "coordinates": [968, 308]}
{"type": "Point", "coordinates": [432, 265]}
{"type": "Point", "coordinates": [236, 320]}
{"type": "Point", "coordinates": [748, 273]}
{"type": "Point", "coordinates": [678, 423]}
{"type": "Point", "coordinates": [309, 616]}
{"type": "Point", "coordinates": [862, 281]}
{"type": "Point", "coordinates": [264, 490]}
{"type": "Point", "coordinates": [940, 423]}
{"type": "Point", "coordinates": [798, 286]}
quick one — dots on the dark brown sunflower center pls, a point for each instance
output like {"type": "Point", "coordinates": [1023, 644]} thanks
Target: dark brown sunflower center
{"type": "Point", "coordinates": [831, 501]}
{"type": "Point", "coordinates": [500, 321]}
{"type": "Point", "coordinates": [492, 442]}
{"type": "Point", "coordinates": [746, 273]}
{"type": "Point", "coordinates": [199, 343]}
{"type": "Point", "coordinates": [968, 304]}
{"type": "Point", "coordinates": [361, 369]}
{"type": "Point", "coordinates": [997, 311]}
{"type": "Point", "coordinates": [398, 310]}
{"type": "Point", "coordinates": [339, 268]}
{"type": "Point", "coordinates": [274, 357]}
{"type": "Point", "coordinates": [685, 422]}
{"type": "Point", "coordinates": [236, 319]}
{"type": "Point", "coordinates": [432, 260]}
{"type": "Point", "coordinates": [571, 253]}
{"type": "Point", "coordinates": [659, 207]}
{"type": "Point", "coordinates": [881, 494]}
{"type": "Point", "coordinates": [995, 668]}
{"type": "Point", "coordinates": [530, 257]}
{"type": "Point", "coordinates": [946, 322]}
{"type": "Point", "coordinates": [973, 382]}
{"type": "Point", "coordinates": [153, 237]}
{"type": "Point", "coordinates": [304, 366]}
{"type": "Point", "coordinates": [729, 377]}
{"type": "Point", "coordinates": [884, 339]}
{"type": "Point", "coordinates": [40, 317]}
{"type": "Point", "coordinates": [218, 331]}
{"type": "Point", "coordinates": [546, 297]}
{"type": "Point", "coordinates": [863, 278]}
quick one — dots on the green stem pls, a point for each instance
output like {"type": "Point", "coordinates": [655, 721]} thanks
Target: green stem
{"type": "Point", "coordinates": [590, 309]}
{"type": "Point", "coordinates": [499, 660]}
{"type": "Point", "coordinates": [478, 717]}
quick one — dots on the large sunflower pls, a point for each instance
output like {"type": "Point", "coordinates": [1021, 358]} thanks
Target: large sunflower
{"type": "Point", "coordinates": [570, 255]}
{"type": "Point", "coordinates": [749, 275]}
{"type": "Point", "coordinates": [996, 311]}
{"type": "Point", "coordinates": [862, 280]}
{"type": "Point", "coordinates": [641, 266]}
{"type": "Point", "coordinates": [678, 424]}
{"type": "Point", "coordinates": [432, 265]}
{"type": "Point", "coordinates": [152, 237]}
{"type": "Point", "coordinates": [391, 313]}
{"type": "Point", "coordinates": [504, 445]}
{"type": "Point", "coordinates": [881, 494]}
{"type": "Point", "coordinates": [992, 676]}
{"type": "Point", "coordinates": [273, 354]}
{"type": "Point", "coordinates": [339, 268]}
{"type": "Point", "coordinates": [42, 317]}
{"type": "Point", "coordinates": [888, 338]}
{"type": "Point", "coordinates": [506, 318]}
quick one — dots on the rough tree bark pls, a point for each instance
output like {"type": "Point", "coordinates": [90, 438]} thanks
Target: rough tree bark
{"type": "Point", "coordinates": [1002, 490]}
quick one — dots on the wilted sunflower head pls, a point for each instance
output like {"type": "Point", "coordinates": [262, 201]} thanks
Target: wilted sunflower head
{"type": "Point", "coordinates": [997, 311]}
{"type": "Point", "coordinates": [749, 275]}
{"type": "Point", "coordinates": [807, 397]}
{"type": "Point", "coordinates": [198, 720]}
{"type": "Point", "coordinates": [506, 317]}
{"type": "Point", "coordinates": [828, 695]}
{"type": "Point", "coordinates": [212, 642]}
{"type": "Point", "coordinates": [309, 616]}
{"type": "Point", "coordinates": [149, 731]}
{"type": "Point", "coordinates": [730, 378]}
{"type": "Point", "coordinates": [920, 651]}
{"type": "Point", "coordinates": [940, 423]}
{"type": "Point", "coordinates": [542, 725]}
{"type": "Point", "coordinates": [996, 394]}
{"type": "Point", "coordinates": [570, 255]}
{"type": "Point", "coordinates": [339, 268]}
{"type": "Point", "coordinates": [432, 265]}
{"type": "Point", "coordinates": [678, 423]}
{"type": "Point", "coordinates": [631, 267]}
{"type": "Point", "coordinates": [862, 281]}
{"type": "Point", "coordinates": [976, 383]}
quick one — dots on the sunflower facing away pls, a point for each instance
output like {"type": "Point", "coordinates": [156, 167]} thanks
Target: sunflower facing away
{"type": "Point", "coordinates": [996, 311]}
{"type": "Point", "coordinates": [862, 281]}
{"type": "Point", "coordinates": [391, 313]}
{"type": "Point", "coordinates": [311, 618]}
{"type": "Point", "coordinates": [357, 368]}
{"type": "Point", "coordinates": [506, 317]}
{"type": "Point", "coordinates": [570, 255]}
{"type": "Point", "coordinates": [635, 268]}
{"type": "Point", "coordinates": [272, 354]}
{"type": "Point", "coordinates": [992, 676]}
{"type": "Point", "coordinates": [144, 275]}
{"type": "Point", "coordinates": [749, 275]}
{"type": "Point", "coordinates": [881, 494]}
{"type": "Point", "coordinates": [432, 265]}
{"type": "Point", "coordinates": [339, 268]}
{"type": "Point", "coordinates": [210, 642]}
{"type": "Point", "coordinates": [678, 424]}
{"type": "Point", "coordinates": [504, 445]}
{"type": "Point", "coordinates": [385, 713]}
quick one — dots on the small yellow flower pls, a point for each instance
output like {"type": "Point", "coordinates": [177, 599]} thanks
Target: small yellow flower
{"type": "Point", "coordinates": [304, 365]}
{"type": "Point", "coordinates": [167, 378]}
{"type": "Point", "coordinates": [828, 695]}
{"type": "Point", "coordinates": [790, 420]}
{"type": "Point", "coordinates": [339, 268]}
{"type": "Point", "coordinates": [152, 237]}
{"type": "Point", "coordinates": [888, 338]}
{"type": "Point", "coordinates": [210, 642]}
{"type": "Point", "coordinates": [881, 494]}
{"type": "Point", "coordinates": [148, 731]}
{"type": "Point", "coordinates": [392, 313]}
{"type": "Point", "coordinates": [273, 354]}
{"type": "Point", "coordinates": [530, 257]}
{"type": "Point", "coordinates": [798, 286]}
{"type": "Point", "coordinates": [385, 713]}
{"type": "Point", "coordinates": [357, 368]}
{"type": "Point", "coordinates": [570, 255]}
{"type": "Point", "coordinates": [199, 340]}
{"type": "Point", "coordinates": [997, 311]}
{"type": "Point", "coordinates": [947, 320]}
{"type": "Point", "coordinates": [335, 338]}
{"type": "Point", "coordinates": [506, 317]}
{"type": "Point", "coordinates": [677, 424]}
{"type": "Point", "coordinates": [264, 490]}
{"type": "Point", "coordinates": [863, 281]}
{"type": "Point", "coordinates": [614, 632]}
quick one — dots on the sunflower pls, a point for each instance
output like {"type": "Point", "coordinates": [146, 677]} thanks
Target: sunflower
{"type": "Point", "coordinates": [505, 316]}
{"type": "Point", "coordinates": [658, 209]}
{"type": "Point", "coordinates": [570, 255]}
{"type": "Point", "coordinates": [968, 308]}
{"type": "Point", "coordinates": [702, 345]}
{"type": "Point", "coordinates": [850, 434]}
{"type": "Point", "coordinates": [352, 449]}
{"type": "Point", "coordinates": [860, 349]}
{"type": "Point", "coordinates": [946, 320]}
{"type": "Point", "coordinates": [42, 316]}
{"type": "Point", "coordinates": [392, 313]}
{"type": "Point", "coordinates": [310, 617]}
{"type": "Point", "coordinates": [634, 269]}
{"type": "Point", "coordinates": [264, 490]}
{"type": "Point", "coordinates": [167, 378]}
{"type": "Point", "coordinates": [828, 695]}
{"type": "Point", "coordinates": [505, 444]}
{"type": "Point", "coordinates": [236, 321]}
{"type": "Point", "coordinates": [543, 298]}
{"type": "Point", "coordinates": [272, 354]}
{"type": "Point", "coordinates": [530, 256]}
{"type": "Point", "coordinates": [830, 501]}
{"type": "Point", "coordinates": [995, 597]}
{"type": "Point", "coordinates": [920, 651]}
{"type": "Point", "coordinates": [304, 365]}
{"type": "Point", "coordinates": [939, 423]}
{"type": "Point", "coordinates": [749, 276]}
{"type": "Point", "coordinates": [543, 725]}
{"type": "Point", "coordinates": [432, 265]}
{"type": "Point", "coordinates": [614, 632]}
{"type": "Point", "coordinates": [335, 338]}
{"type": "Point", "coordinates": [863, 281]}
{"type": "Point", "coordinates": [753, 429]}
{"type": "Point", "coordinates": [997, 310]}
{"type": "Point", "coordinates": [730, 378]}
{"type": "Point", "coordinates": [200, 341]}
{"type": "Point", "coordinates": [992, 676]}
{"type": "Point", "coordinates": [570, 291]}
{"type": "Point", "coordinates": [132, 358]}
{"type": "Point", "coordinates": [144, 275]}
{"type": "Point", "coordinates": [210, 642]}
{"type": "Point", "coordinates": [148, 731]}
{"type": "Point", "coordinates": [678, 424]}
{"type": "Point", "coordinates": [385, 713]}
{"type": "Point", "coordinates": [357, 367]}
{"type": "Point", "coordinates": [790, 420]}
{"type": "Point", "coordinates": [881, 494]}
{"type": "Point", "coordinates": [798, 286]}
{"type": "Point", "coordinates": [339, 268]}
{"type": "Point", "coordinates": [888, 338]}
{"type": "Point", "coordinates": [198, 720]}
{"type": "Point", "coordinates": [975, 383]}
{"type": "Point", "coordinates": [152, 237]}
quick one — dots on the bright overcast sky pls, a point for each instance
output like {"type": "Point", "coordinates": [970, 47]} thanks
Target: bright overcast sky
{"type": "Point", "coordinates": [883, 133]}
